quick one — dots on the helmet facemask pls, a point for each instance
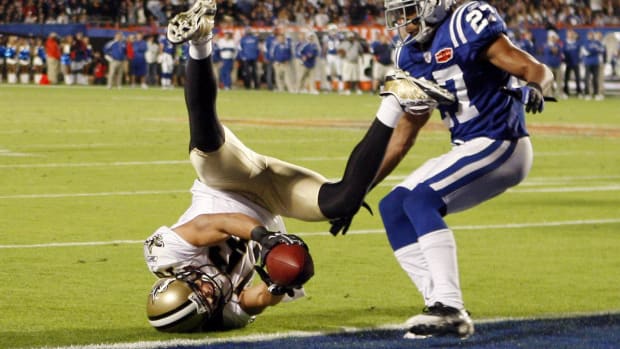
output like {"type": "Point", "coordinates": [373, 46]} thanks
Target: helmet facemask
{"type": "Point", "coordinates": [211, 291]}
{"type": "Point", "coordinates": [424, 13]}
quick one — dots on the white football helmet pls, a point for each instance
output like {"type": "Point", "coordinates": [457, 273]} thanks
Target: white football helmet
{"type": "Point", "coordinates": [189, 302]}
{"type": "Point", "coordinates": [426, 13]}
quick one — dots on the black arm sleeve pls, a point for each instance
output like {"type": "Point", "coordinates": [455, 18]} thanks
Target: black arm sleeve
{"type": "Point", "coordinates": [344, 198]}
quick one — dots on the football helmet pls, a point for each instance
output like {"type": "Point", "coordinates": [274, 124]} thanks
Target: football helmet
{"type": "Point", "coordinates": [188, 301]}
{"type": "Point", "coordinates": [425, 13]}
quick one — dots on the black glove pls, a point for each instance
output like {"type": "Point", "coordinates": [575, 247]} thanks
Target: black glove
{"type": "Point", "coordinates": [274, 289]}
{"type": "Point", "coordinates": [343, 223]}
{"type": "Point", "coordinates": [269, 239]}
{"type": "Point", "coordinates": [530, 95]}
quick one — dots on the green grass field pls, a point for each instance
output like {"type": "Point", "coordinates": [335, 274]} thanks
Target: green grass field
{"type": "Point", "coordinates": [104, 168]}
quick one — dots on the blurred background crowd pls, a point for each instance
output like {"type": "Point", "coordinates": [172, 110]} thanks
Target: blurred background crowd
{"type": "Point", "coordinates": [301, 12]}
{"type": "Point", "coordinates": [300, 46]}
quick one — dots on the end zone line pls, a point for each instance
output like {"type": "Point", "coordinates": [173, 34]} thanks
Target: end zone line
{"type": "Point", "coordinates": [352, 232]}
{"type": "Point", "coordinates": [300, 334]}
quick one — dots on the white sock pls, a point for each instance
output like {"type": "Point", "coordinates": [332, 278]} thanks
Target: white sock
{"type": "Point", "coordinates": [200, 50]}
{"type": "Point", "coordinates": [389, 111]}
{"type": "Point", "coordinates": [412, 260]}
{"type": "Point", "coordinates": [439, 248]}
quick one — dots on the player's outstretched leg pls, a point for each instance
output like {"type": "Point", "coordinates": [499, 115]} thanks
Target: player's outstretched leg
{"type": "Point", "coordinates": [206, 131]}
{"type": "Point", "coordinates": [194, 24]}
{"type": "Point", "coordinates": [440, 320]}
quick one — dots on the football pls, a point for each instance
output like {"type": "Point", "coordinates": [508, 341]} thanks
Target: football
{"type": "Point", "coordinates": [289, 265]}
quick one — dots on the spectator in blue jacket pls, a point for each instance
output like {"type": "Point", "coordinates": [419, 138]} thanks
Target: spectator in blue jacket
{"type": "Point", "coordinates": [268, 60]}
{"type": "Point", "coordinates": [248, 54]}
{"type": "Point", "coordinates": [308, 54]}
{"type": "Point", "coordinates": [552, 57]}
{"type": "Point", "coordinates": [572, 59]}
{"type": "Point", "coordinates": [525, 42]}
{"type": "Point", "coordinates": [382, 51]}
{"type": "Point", "coordinates": [282, 53]}
{"type": "Point", "coordinates": [115, 53]}
{"type": "Point", "coordinates": [138, 63]}
{"type": "Point", "coordinates": [593, 51]}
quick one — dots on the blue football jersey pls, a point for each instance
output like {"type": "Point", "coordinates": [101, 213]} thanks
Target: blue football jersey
{"type": "Point", "coordinates": [167, 46]}
{"type": "Point", "coordinates": [24, 53]}
{"type": "Point", "coordinates": [10, 52]}
{"type": "Point", "coordinates": [452, 61]}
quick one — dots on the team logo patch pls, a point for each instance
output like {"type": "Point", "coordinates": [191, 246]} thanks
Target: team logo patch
{"type": "Point", "coordinates": [156, 240]}
{"type": "Point", "coordinates": [444, 55]}
{"type": "Point", "coordinates": [427, 57]}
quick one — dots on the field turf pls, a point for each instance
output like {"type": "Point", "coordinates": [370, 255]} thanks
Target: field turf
{"type": "Point", "coordinates": [88, 173]}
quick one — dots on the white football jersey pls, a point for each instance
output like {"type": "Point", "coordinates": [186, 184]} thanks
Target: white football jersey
{"type": "Point", "coordinates": [166, 252]}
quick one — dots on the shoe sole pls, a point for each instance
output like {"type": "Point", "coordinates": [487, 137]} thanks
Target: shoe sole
{"type": "Point", "coordinates": [185, 24]}
{"type": "Point", "coordinates": [461, 329]}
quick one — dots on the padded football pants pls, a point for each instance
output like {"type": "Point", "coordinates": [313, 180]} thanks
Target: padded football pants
{"type": "Point", "coordinates": [223, 162]}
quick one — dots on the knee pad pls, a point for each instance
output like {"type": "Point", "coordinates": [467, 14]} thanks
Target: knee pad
{"type": "Point", "coordinates": [399, 230]}
{"type": "Point", "coordinates": [425, 209]}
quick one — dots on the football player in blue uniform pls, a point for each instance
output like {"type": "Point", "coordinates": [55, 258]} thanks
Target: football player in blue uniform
{"type": "Point", "coordinates": [466, 51]}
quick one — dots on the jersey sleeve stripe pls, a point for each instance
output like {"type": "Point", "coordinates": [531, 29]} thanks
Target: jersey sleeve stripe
{"type": "Point", "coordinates": [456, 24]}
{"type": "Point", "coordinates": [397, 56]}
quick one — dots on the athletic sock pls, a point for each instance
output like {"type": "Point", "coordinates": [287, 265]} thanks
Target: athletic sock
{"type": "Point", "coordinates": [200, 49]}
{"type": "Point", "coordinates": [412, 260]}
{"type": "Point", "coordinates": [439, 248]}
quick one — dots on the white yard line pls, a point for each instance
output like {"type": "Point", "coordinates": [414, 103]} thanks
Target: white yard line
{"type": "Point", "coordinates": [165, 192]}
{"type": "Point", "coordinates": [98, 164]}
{"type": "Point", "coordinates": [178, 191]}
{"type": "Point", "coordinates": [566, 189]}
{"type": "Point", "coordinates": [352, 232]}
{"type": "Point", "coordinates": [111, 193]}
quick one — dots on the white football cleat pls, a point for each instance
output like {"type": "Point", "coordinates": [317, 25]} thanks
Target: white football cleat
{"type": "Point", "coordinates": [440, 320]}
{"type": "Point", "coordinates": [194, 24]}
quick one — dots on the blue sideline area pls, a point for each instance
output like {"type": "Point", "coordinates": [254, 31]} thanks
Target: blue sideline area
{"type": "Point", "coordinates": [592, 332]}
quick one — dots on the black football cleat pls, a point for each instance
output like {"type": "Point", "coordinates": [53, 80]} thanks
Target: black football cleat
{"type": "Point", "coordinates": [440, 320]}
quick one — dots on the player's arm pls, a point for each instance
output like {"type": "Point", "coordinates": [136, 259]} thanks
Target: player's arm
{"type": "Point", "coordinates": [402, 140]}
{"type": "Point", "coordinates": [254, 299]}
{"type": "Point", "coordinates": [211, 229]}
{"type": "Point", "coordinates": [506, 56]}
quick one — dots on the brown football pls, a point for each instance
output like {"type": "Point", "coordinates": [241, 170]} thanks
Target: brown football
{"type": "Point", "coordinates": [289, 265]}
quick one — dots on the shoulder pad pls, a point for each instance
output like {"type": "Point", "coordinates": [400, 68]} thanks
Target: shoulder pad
{"type": "Point", "coordinates": [476, 24]}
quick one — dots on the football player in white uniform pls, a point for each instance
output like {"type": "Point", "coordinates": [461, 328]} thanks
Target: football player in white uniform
{"type": "Point", "coordinates": [206, 260]}
{"type": "Point", "coordinates": [333, 62]}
